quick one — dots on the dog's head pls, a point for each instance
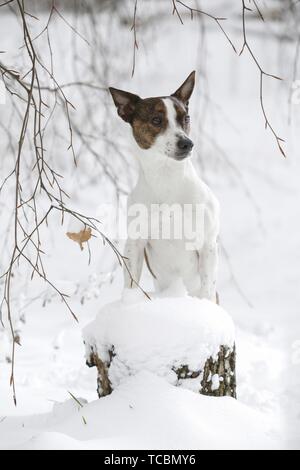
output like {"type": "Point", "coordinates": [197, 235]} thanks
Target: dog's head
{"type": "Point", "coordinates": [159, 124]}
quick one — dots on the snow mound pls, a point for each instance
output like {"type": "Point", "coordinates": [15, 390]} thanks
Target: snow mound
{"type": "Point", "coordinates": [67, 407]}
{"type": "Point", "coordinates": [157, 335]}
{"type": "Point", "coordinates": [146, 412]}
{"type": "Point", "coordinates": [50, 441]}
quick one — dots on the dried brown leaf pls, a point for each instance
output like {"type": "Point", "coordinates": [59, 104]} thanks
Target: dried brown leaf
{"type": "Point", "coordinates": [80, 237]}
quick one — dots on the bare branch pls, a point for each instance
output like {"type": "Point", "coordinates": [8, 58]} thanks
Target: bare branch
{"type": "Point", "coordinates": [29, 216]}
{"type": "Point", "coordinates": [135, 43]}
{"type": "Point", "coordinates": [204, 13]}
{"type": "Point", "coordinates": [262, 73]}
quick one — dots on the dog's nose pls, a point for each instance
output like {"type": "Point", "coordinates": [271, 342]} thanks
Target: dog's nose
{"type": "Point", "coordinates": [185, 144]}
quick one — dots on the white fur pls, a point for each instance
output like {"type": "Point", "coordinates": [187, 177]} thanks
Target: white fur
{"type": "Point", "coordinates": [161, 180]}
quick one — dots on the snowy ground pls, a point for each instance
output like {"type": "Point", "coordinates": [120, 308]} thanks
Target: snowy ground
{"type": "Point", "coordinates": [144, 413]}
{"type": "Point", "coordinates": [259, 193]}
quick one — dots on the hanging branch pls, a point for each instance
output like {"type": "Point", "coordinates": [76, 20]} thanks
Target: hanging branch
{"type": "Point", "coordinates": [135, 43]}
{"type": "Point", "coordinates": [6, 3]}
{"type": "Point", "coordinates": [192, 11]}
{"type": "Point", "coordinates": [27, 212]}
{"type": "Point", "coordinates": [262, 74]}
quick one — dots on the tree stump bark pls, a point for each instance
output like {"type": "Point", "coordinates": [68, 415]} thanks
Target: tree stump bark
{"type": "Point", "coordinates": [189, 342]}
{"type": "Point", "coordinates": [217, 378]}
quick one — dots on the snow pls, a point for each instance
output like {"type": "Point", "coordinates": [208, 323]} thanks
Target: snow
{"type": "Point", "coordinates": [158, 335]}
{"type": "Point", "coordinates": [215, 382]}
{"type": "Point", "coordinates": [143, 413]}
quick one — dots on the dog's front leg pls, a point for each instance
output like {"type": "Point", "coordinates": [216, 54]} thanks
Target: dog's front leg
{"type": "Point", "coordinates": [208, 264]}
{"type": "Point", "coordinates": [133, 263]}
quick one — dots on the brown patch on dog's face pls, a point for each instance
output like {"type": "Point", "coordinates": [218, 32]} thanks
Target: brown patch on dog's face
{"type": "Point", "coordinates": [160, 123]}
{"type": "Point", "coordinates": [149, 121]}
{"type": "Point", "coordinates": [182, 115]}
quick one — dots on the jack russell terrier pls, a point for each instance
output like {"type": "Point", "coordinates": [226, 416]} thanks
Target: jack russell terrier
{"type": "Point", "coordinates": [167, 178]}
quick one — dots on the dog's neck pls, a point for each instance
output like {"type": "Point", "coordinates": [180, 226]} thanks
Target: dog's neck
{"type": "Point", "coordinates": [164, 177]}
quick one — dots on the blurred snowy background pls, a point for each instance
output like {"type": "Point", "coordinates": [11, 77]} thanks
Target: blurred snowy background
{"type": "Point", "coordinates": [92, 47]}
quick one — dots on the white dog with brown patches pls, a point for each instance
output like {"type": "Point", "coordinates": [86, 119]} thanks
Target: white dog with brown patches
{"type": "Point", "coordinates": [167, 179]}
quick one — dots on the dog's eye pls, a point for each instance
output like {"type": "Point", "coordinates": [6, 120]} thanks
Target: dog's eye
{"type": "Point", "coordinates": [156, 121]}
{"type": "Point", "coordinates": [187, 119]}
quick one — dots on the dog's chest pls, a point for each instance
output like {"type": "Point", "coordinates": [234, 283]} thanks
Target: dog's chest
{"type": "Point", "coordinates": [169, 187]}
{"type": "Point", "coordinates": [176, 208]}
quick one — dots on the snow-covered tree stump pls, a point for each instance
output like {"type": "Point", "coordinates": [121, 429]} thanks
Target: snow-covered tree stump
{"type": "Point", "coordinates": [188, 341]}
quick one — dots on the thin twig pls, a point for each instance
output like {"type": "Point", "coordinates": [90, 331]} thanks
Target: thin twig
{"type": "Point", "coordinates": [135, 43]}
{"type": "Point", "coordinates": [6, 3]}
{"type": "Point", "coordinates": [262, 74]}
{"type": "Point", "coordinates": [28, 215]}
{"type": "Point", "coordinates": [192, 11]}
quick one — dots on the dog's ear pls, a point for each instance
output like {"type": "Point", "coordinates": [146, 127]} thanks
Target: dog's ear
{"type": "Point", "coordinates": [125, 103]}
{"type": "Point", "coordinates": [186, 89]}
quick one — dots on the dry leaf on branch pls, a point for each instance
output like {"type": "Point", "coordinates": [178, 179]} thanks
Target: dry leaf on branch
{"type": "Point", "coordinates": [80, 237]}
